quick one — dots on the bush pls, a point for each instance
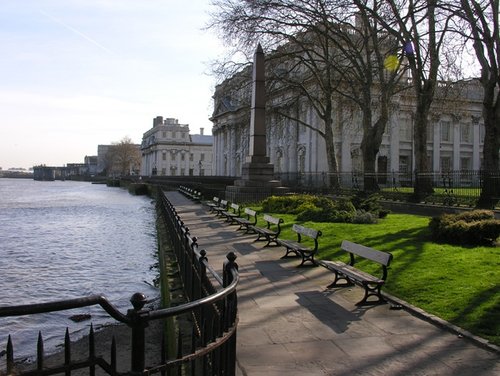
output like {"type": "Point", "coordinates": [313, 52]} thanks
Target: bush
{"type": "Point", "coordinates": [325, 209]}
{"type": "Point", "coordinates": [478, 227]}
{"type": "Point", "coordinates": [286, 204]}
{"type": "Point", "coordinates": [364, 217]}
{"type": "Point", "coordinates": [369, 203]}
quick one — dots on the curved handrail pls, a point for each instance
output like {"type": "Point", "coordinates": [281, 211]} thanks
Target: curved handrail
{"type": "Point", "coordinates": [61, 305]}
{"type": "Point", "coordinates": [172, 311]}
{"type": "Point", "coordinates": [138, 300]}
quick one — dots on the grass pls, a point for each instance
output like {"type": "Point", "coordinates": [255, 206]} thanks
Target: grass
{"type": "Point", "coordinates": [459, 284]}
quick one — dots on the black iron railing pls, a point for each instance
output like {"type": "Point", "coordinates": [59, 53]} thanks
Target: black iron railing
{"type": "Point", "coordinates": [449, 187]}
{"type": "Point", "coordinates": [211, 305]}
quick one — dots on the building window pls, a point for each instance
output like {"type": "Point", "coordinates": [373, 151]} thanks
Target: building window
{"type": "Point", "coordinates": [465, 133]}
{"type": "Point", "coordinates": [445, 131]}
{"type": "Point", "coordinates": [191, 157]}
{"type": "Point", "coordinates": [466, 163]}
{"type": "Point", "coordinates": [404, 163]}
{"type": "Point", "coordinates": [182, 157]}
{"type": "Point", "coordinates": [164, 156]}
{"type": "Point", "coordinates": [164, 134]}
{"type": "Point", "coordinates": [173, 157]}
{"type": "Point", "coordinates": [202, 156]}
{"type": "Point", "coordinates": [174, 134]}
{"type": "Point", "coordinates": [445, 164]}
{"type": "Point", "coordinates": [164, 171]}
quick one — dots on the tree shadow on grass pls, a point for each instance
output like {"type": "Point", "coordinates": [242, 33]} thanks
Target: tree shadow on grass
{"type": "Point", "coordinates": [483, 314]}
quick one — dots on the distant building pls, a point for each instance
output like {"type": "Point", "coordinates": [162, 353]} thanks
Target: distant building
{"type": "Point", "coordinates": [169, 150]}
{"type": "Point", "coordinates": [91, 163]}
{"type": "Point", "coordinates": [102, 151]}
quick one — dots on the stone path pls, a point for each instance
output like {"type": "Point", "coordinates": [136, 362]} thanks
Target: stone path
{"type": "Point", "coordinates": [291, 325]}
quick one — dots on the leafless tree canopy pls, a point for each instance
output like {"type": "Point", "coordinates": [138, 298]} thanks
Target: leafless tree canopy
{"type": "Point", "coordinates": [327, 49]}
{"type": "Point", "coordinates": [123, 158]}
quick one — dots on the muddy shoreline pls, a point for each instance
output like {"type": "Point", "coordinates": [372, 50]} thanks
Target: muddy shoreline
{"type": "Point", "coordinates": [103, 339]}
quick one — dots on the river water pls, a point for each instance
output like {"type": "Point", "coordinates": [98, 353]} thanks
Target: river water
{"type": "Point", "coordinates": [64, 240]}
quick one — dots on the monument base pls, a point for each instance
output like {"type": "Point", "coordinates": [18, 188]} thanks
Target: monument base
{"type": "Point", "coordinates": [254, 193]}
{"type": "Point", "coordinates": [256, 183]}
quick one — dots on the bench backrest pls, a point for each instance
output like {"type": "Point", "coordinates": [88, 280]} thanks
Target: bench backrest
{"type": "Point", "coordinates": [269, 219]}
{"type": "Point", "coordinates": [223, 203]}
{"type": "Point", "coordinates": [250, 212]}
{"type": "Point", "coordinates": [301, 230]}
{"type": "Point", "coordinates": [235, 207]}
{"type": "Point", "coordinates": [216, 199]}
{"type": "Point", "coordinates": [383, 258]}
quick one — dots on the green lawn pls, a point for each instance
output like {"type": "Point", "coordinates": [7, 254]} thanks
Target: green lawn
{"type": "Point", "coordinates": [459, 284]}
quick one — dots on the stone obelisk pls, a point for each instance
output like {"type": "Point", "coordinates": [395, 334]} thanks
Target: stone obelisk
{"type": "Point", "coordinates": [257, 170]}
{"type": "Point", "coordinates": [257, 173]}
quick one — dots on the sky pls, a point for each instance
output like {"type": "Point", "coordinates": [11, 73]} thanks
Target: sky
{"type": "Point", "coordinates": [75, 74]}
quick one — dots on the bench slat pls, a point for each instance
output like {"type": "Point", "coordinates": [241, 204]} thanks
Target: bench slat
{"type": "Point", "coordinates": [351, 271]}
{"type": "Point", "coordinates": [383, 258]}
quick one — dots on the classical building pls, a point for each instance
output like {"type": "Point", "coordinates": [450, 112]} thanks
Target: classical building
{"type": "Point", "coordinates": [454, 138]}
{"type": "Point", "coordinates": [169, 150]}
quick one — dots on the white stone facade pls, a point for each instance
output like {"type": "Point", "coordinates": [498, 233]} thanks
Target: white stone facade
{"type": "Point", "coordinates": [169, 150]}
{"type": "Point", "coordinates": [455, 135]}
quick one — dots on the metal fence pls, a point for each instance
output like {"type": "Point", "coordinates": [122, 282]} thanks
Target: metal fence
{"type": "Point", "coordinates": [211, 306]}
{"type": "Point", "coordinates": [461, 188]}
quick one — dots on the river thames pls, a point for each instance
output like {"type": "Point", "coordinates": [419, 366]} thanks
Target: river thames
{"type": "Point", "coordinates": [64, 240]}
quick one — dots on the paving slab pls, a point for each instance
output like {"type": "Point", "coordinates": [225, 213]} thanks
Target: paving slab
{"type": "Point", "coordinates": [290, 324]}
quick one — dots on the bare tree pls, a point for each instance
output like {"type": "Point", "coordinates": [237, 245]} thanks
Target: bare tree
{"type": "Point", "coordinates": [123, 158]}
{"type": "Point", "coordinates": [482, 28]}
{"type": "Point", "coordinates": [422, 29]}
{"type": "Point", "coordinates": [324, 53]}
{"type": "Point", "coordinates": [302, 65]}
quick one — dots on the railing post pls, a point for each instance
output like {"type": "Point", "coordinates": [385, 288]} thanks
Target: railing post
{"type": "Point", "coordinates": [138, 324]}
{"type": "Point", "coordinates": [230, 315]}
{"type": "Point", "coordinates": [229, 264]}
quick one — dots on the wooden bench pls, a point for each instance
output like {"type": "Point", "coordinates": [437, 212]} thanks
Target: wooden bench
{"type": "Point", "coordinates": [270, 232]}
{"type": "Point", "coordinates": [212, 204]}
{"type": "Point", "coordinates": [351, 275]}
{"type": "Point", "coordinates": [220, 208]}
{"type": "Point", "coordinates": [249, 219]}
{"type": "Point", "coordinates": [306, 250]}
{"type": "Point", "coordinates": [191, 193]}
{"type": "Point", "coordinates": [233, 212]}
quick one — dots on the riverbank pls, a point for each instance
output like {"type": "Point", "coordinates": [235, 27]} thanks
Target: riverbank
{"type": "Point", "coordinates": [103, 341]}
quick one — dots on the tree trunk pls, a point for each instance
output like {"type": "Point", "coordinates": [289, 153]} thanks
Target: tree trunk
{"type": "Point", "coordinates": [423, 181]}
{"type": "Point", "coordinates": [330, 149]}
{"type": "Point", "coordinates": [370, 147]}
{"type": "Point", "coordinates": [490, 175]}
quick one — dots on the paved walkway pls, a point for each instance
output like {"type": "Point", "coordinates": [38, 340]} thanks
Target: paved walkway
{"type": "Point", "coordinates": [291, 325]}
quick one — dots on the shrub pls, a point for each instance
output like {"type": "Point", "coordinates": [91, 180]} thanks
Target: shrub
{"type": "Point", "coordinates": [286, 204]}
{"type": "Point", "coordinates": [369, 203]}
{"type": "Point", "coordinates": [365, 217]}
{"type": "Point", "coordinates": [325, 209]}
{"type": "Point", "coordinates": [478, 227]}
